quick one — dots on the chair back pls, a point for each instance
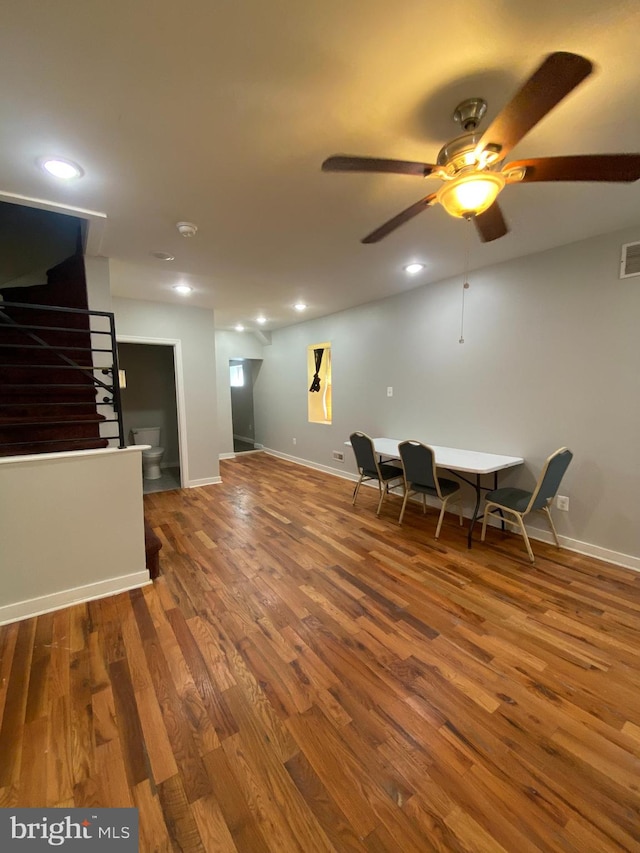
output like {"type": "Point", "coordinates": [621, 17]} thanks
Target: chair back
{"type": "Point", "coordinates": [418, 461]}
{"type": "Point", "coordinates": [362, 446]}
{"type": "Point", "coordinates": [550, 479]}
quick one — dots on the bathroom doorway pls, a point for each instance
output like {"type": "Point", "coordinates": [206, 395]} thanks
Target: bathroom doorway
{"type": "Point", "coordinates": [242, 376]}
{"type": "Point", "coordinates": [150, 399]}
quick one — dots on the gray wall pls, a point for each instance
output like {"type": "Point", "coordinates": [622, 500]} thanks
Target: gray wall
{"type": "Point", "coordinates": [71, 527]}
{"type": "Point", "coordinates": [551, 357]}
{"type": "Point", "coordinates": [194, 328]}
{"type": "Point", "coordinates": [231, 345]}
{"type": "Point", "coordinates": [149, 399]}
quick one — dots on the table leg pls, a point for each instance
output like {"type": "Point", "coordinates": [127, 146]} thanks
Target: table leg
{"type": "Point", "coordinates": [478, 487]}
{"type": "Point", "coordinates": [475, 511]}
{"type": "Point", "coordinates": [474, 517]}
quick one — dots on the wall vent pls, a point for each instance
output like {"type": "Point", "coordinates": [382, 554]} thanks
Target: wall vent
{"type": "Point", "coordinates": [630, 260]}
{"type": "Point", "coordinates": [338, 455]}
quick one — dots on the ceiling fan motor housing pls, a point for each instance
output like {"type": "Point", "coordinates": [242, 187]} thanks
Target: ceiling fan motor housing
{"type": "Point", "coordinates": [458, 153]}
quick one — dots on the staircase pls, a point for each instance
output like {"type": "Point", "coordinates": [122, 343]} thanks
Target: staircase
{"type": "Point", "coordinates": [58, 368]}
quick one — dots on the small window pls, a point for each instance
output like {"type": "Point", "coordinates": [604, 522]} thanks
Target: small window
{"type": "Point", "coordinates": [236, 375]}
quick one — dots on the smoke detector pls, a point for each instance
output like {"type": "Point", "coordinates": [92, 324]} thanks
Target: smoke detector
{"type": "Point", "coordinates": [187, 229]}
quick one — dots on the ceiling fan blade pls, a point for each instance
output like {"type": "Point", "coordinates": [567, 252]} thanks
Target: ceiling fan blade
{"type": "Point", "coordinates": [558, 75]}
{"type": "Point", "coordinates": [400, 219]}
{"type": "Point", "coordinates": [491, 224]}
{"type": "Point", "coordinates": [346, 163]}
{"type": "Point", "coordinates": [583, 167]}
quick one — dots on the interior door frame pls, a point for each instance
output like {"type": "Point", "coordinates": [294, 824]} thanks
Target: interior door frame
{"type": "Point", "coordinates": [180, 401]}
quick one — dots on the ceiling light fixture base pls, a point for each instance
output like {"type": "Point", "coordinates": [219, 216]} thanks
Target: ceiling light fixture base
{"type": "Point", "coordinates": [469, 113]}
{"type": "Point", "coordinates": [187, 229]}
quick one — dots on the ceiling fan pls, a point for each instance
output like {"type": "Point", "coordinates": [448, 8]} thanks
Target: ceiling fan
{"type": "Point", "coordinates": [472, 165]}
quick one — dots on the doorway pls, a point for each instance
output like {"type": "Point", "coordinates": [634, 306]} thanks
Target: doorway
{"type": "Point", "coordinates": [150, 399]}
{"type": "Point", "coordinates": [242, 376]}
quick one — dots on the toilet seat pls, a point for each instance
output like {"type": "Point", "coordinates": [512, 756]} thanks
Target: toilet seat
{"type": "Point", "coordinates": [152, 453]}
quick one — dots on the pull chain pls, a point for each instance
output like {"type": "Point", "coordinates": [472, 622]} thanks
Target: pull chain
{"type": "Point", "coordinates": [465, 283]}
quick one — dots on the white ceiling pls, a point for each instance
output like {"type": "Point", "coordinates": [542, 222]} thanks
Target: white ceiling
{"type": "Point", "coordinates": [220, 112]}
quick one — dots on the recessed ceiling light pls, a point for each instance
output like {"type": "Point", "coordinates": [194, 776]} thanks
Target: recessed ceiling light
{"type": "Point", "coordinates": [261, 320]}
{"type": "Point", "coordinates": [59, 168]}
{"type": "Point", "coordinates": [239, 328]}
{"type": "Point", "coordinates": [182, 288]}
{"type": "Point", "coordinates": [414, 268]}
{"type": "Point", "coordinates": [300, 306]}
{"type": "Point", "coordinates": [163, 256]}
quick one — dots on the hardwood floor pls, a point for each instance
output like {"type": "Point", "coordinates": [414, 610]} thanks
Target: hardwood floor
{"type": "Point", "coordinates": [306, 677]}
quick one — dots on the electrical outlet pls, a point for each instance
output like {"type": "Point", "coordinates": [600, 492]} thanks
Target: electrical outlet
{"type": "Point", "coordinates": [338, 456]}
{"type": "Point", "coordinates": [294, 440]}
{"type": "Point", "coordinates": [389, 391]}
{"type": "Point", "coordinates": [562, 502]}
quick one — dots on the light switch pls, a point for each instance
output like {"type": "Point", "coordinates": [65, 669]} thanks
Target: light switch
{"type": "Point", "coordinates": [389, 391]}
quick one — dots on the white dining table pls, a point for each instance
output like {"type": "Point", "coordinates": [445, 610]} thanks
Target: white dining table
{"type": "Point", "coordinates": [459, 462]}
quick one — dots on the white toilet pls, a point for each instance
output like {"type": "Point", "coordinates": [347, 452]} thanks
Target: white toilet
{"type": "Point", "coordinates": [150, 458]}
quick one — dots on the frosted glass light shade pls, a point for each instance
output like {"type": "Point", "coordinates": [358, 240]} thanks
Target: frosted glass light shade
{"type": "Point", "coordinates": [470, 194]}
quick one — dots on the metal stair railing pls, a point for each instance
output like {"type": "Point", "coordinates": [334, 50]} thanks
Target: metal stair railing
{"type": "Point", "coordinates": [36, 335]}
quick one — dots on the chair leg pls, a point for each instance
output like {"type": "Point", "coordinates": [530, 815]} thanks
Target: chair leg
{"type": "Point", "coordinates": [484, 520]}
{"type": "Point", "coordinates": [384, 491]}
{"type": "Point", "coordinates": [407, 492]}
{"type": "Point", "coordinates": [444, 505]}
{"type": "Point", "coordinates": [525, 536]}
{"type": "Point", "coordinates": [460, 505]}
{"type": "Point", "coordinates": [490, 510]}
{"type": "Point", "coordinates": [424, 504]}
{"type": "Point", "coordinates": [357, 489]}
{"type": "Point", "coordinates": [553, 527]}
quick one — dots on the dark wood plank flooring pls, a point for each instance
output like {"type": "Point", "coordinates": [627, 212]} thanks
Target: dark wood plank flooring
{"type": "Point", "coordinates": [304, 676]}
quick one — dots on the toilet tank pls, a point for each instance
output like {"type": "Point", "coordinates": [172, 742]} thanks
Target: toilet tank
{"type": "Point", "coordinates": [147, 435]}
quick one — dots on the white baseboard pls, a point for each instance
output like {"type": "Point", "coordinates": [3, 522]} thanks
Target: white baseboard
{"type": "Point", "coordinates": [345, 475]}
{"type": "Point", "coordinates": [627, 561]}
{"type": "Point", "coordinates": [206, 481]}
{"type": "Point", "coordinates": [245, 438]}
{"type": "Point", "coordinates": [240, 453]}
{"type": "Point", "coordinates": [68, 597]}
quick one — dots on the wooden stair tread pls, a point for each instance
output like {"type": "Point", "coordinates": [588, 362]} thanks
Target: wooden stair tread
{"type": "Point", "coordinates": [10, 420]}
{"type": "Point", "coordinates": [29, 447]}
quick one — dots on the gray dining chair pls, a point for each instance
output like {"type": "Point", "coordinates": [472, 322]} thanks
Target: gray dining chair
{"type": "Point", "coordinates": [371, 468]}
{"type": "Point", "coordinates": [519, 502]}
{"type": "Point", "coordinates": [421, 477]}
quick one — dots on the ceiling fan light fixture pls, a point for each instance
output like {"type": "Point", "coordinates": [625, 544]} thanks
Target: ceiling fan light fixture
{"type": "Point", "coordinates": [471, 194]}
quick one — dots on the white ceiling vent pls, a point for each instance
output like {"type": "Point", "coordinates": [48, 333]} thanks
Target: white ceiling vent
{"type": "Point", "coordinates": [630, 260]}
